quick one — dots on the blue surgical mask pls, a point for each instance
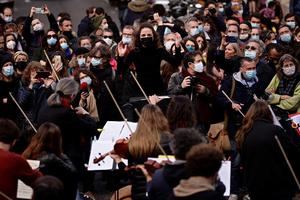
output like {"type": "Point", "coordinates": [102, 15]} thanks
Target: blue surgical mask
{"type": "Point", "coordinates": [195, 31]}
{"type": "Point", "coordinates": [254, 25]}
{"type": "Point", "coordinates": [8, 70]}
{"type": "Point", "coordinates": [96, 61]}
{"type": "Point", "coordinates": [81, 62]}
{"type": "Point", "coordinates": [190, 48]}
{"type": "Point", "coordinates": [286, 37]}
{"type": "Point", "coordinates": [250, 54]}
{"type": "Point", "coordinates": [64, 45]}
{"type": "Point", "coordinates": [199, 67]}
{"type": "Point", "coordinates": [250, 74]}
{"type": "Point", "coordinates": [51, 41]}
{"type": "Point", "coordinates": [87, 80]}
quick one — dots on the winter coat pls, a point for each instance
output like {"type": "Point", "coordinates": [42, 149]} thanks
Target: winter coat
{"type": "Point", "coordinates": [266, 172]}
{"type": "Point", "coordinates": [291, 104]}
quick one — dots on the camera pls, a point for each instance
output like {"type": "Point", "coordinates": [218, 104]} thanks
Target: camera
{"type": "Point", "coordinates": [194, 81]}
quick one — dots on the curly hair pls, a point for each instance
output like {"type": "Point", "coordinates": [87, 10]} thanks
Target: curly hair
{"type": "Point", "coordinates": [156, 40]}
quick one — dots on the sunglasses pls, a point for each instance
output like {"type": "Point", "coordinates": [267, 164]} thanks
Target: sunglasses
{"type": "Point", "coordinates": [250, 47]}
{"type": "Point", "coordinates": [110, 37]}
{"type": "Point", "coordinates": [50, 36]}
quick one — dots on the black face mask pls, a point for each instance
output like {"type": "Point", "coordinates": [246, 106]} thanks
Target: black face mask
{"type": "Point", "coordinates": [21, 65]}
{"type": "Point", "coordinates": [147, 42]}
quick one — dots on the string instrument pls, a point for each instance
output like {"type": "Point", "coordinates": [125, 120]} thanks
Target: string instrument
{"type": "Point", "coordinates": [120, 148]}
{"type": "Point", "coordinates": [152, 165]}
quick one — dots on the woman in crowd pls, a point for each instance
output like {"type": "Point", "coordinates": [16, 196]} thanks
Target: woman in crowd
{"type": "Point", "coordinates": [267, 175]}
{"type": "Point", "coordinates": [46, 146]}
{"type": "Point", "coordinates": [65, 47]}
{"type": "Point", "coordinates": [10, 43]}
{"type": "Point", "coordinates": [152, 130]}
{"type": "Point", "coordinates": [284, 89]}
{"type": "Point", "coordinates": [190, 44]}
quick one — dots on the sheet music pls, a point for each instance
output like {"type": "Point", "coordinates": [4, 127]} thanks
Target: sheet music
{"type": "Point", "coordinates": [100, 147]}
{"type": "Point", "coordinates": [224, 174]}
{"type": "Point", "coordinates": [24, 191]}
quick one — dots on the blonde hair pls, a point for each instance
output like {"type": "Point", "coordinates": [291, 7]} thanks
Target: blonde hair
{"type": "Point", "coordinates": [64, 87]}
{"type": "Point", "coordinates": [152, 123]}
{"type": "Point", "coordinates": [236, 48]}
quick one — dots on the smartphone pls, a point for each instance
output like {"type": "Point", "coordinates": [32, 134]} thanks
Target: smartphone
{"type": "Point", "coordinates": [231, 39]}
{"type": "Point", "coordinates": [39, 10]}
{"type": "Point", "coordinates": [42, 74]}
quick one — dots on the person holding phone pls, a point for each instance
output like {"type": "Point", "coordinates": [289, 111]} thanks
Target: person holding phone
{"type": "Point", "coordinates": [34, 39]}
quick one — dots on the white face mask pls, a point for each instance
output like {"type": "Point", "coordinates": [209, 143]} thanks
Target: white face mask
{"type": "Point", "coordinates": [8, 19]}
{"type": "Point", "coordinates": [87, 80]}
{"type": "Point", "coordinates": [37, 27]}
{"type": "Point", "coordinates": [250, 54]}
{"type": "Point", "coordinates": [108, 41]}
{"type": "Point", "coordinates": [126, 40]}
{"type": "Point", "coordinates": [199, 67]}
{"type": "Point", "coordinates": [81, 62]}
{"type": "Point", "coordinates": [244, 36]}
{"type": "Point", "coordinates": [87, 46]}
{"type": "Point", "coordinates": [11, 45]}
{"type": "Point", "coordinates": [289, 71]}
{"type": "Point", "coordinates": [104, 26]}
{"type": "Point", "coordinates": [8, 70]}
{"type": "Point", "coordinates": [169, 44]}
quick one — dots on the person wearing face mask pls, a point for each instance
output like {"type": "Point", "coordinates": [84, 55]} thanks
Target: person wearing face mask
{"type": "Point", "coordinates": [109, 40]}
{"type": "Point", "coordinates": [66, 28]}
{"type": "Point", "coordinates": [65, 47]}
{"type": "Point", "coordinates": [10, 43]}
{"type": "Point", "coordinates": [146, 58]}
{"type": "Point", "coordinates": [88, 84]}
{"type": "Point", "coordinates": [50, 44]}
{"type": "Point", "coordinates": [34, 38]}
{"type": "Point", "coordinates": [245, 30]}
{"type": "Point", "coordinates": [194, 82]}
{"type": "Point", "coordinates": [244, 84]}
{"type": "Point", "coordinates": [190, 44]}
{"type": "Point", "coordinates": [20, 62]}
{"type": "Point", "coordinates": [284, 89]}
{"type": "Point", "coordinates": [8, 84]}
{"type": "Point", "coordinates": [291, 20]}
{"type": "Point", "coordinates": [254, 51]}
{"type": "Point", "coordinates": [286, 40]}
{"type": "Point", "coordinates": [6, 15]}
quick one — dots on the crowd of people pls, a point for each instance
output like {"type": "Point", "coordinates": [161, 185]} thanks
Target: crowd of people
{"type": "Point", "coordinates": [233, 62]}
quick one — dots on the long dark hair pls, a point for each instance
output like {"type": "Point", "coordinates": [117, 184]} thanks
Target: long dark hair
{"type": "Point", "coordinates": [46, 140]}
{"type": "Point", "coordinates": [258, 110]}
{"type": "Point", "coordinates": [156, 41]}
{"type": "Point", "coordinates": [180, 113]}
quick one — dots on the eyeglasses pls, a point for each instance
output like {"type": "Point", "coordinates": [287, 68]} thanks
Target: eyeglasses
{"type": "Point", "coordinates": [250, 47]}
{"type": "Point", "coordinates": [50, 36]}
{"type": "Point", "coordinates": [110, 37]}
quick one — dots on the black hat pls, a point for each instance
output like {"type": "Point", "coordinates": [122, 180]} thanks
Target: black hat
{"type": "Point", "coordinates": [4, 58]}
{"type": "Point", "coordinates": [81, 50]}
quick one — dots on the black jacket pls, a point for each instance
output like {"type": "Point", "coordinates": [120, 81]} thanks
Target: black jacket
{"type": "Point", "coordinates": [74, 129]}
{"type": "Point", "coordinates": [266, 172]}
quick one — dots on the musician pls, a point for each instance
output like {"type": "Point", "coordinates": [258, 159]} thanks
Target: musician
{"type": "Point", "coordinates": [266, 173]}
{"type": "Point", "coordinates": [152, 129]}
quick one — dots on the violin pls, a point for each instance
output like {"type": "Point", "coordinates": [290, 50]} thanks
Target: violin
{"type": "Point", "coordinates": [120, 148]}
{"type": "Point", "coordinates": [152, 165]}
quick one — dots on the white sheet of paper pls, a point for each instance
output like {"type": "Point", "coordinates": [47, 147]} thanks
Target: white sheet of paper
{"type": "Point", "coordinates": [24, 191]}
{"type": "Point", "coordinates": [126, 133]}
{"type": "Point", "coordinates": [224, 174]}
{"type": "Point", "coordinates": [111, 131]}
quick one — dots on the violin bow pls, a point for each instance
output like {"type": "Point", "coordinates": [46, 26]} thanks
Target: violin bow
{"type": "Point", "coordinates": [5, 196]}
{"type": "Point", "coordinates": [287, 161]}
{"type": "Point", "coordinates": [139, 85]}
{"type": "Point", "coordinates": [232, 102]}
{"type": "Point", "coordinates": [118, 107]}
{"type": "Point", "coordinates": [23, 113]}
{"type": "Point", "coordinates": [157, 143]}
{"type": "Point", "coordinates": [49, 61]}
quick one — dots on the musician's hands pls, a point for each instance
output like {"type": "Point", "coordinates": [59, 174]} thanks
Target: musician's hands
{"type": "Point", "coordinates": [236, 106]}
{"type": "Point", "coordinates": [84, 95]}
{"type": "Point", "coordinates": [145, 172]}
{"type": "Point", "coordinates": [154, 99]}
{"type": "Point", "coordinates": [115, 157]}
{"type": "Point", "coordinates": [81, 111]}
